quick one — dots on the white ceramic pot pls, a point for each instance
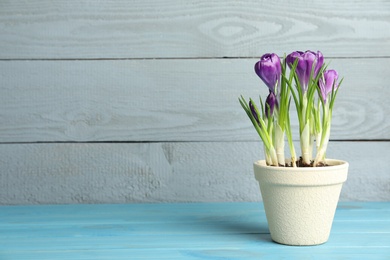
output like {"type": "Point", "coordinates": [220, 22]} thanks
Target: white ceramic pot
{"type": "Point", "coordinates": [300, 203]}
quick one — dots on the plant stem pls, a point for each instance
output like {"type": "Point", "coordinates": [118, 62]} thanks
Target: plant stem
{"type": "Point", "coordinates": [290, 142]}
{"type": "Point", "coordinates": [327, 116]}
{"type": "Point", "coordinates": [305, 144]}
{"type": "Point", "coordinates": [279, 144]}
{"type": "Point", "coordinates": [273, 156]}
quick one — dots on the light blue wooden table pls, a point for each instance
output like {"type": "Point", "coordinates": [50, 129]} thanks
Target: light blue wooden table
{"type": "Point", "coordinates": [181, 231]}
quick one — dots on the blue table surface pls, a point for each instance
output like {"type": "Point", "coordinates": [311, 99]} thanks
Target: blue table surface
{"type": "Point", "coordinates": [181, 231]}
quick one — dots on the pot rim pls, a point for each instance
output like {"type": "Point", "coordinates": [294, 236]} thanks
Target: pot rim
{"type": "Point", "coordinates": [332, 164]}
{"type": "Point", "coordinates": [302, 176]}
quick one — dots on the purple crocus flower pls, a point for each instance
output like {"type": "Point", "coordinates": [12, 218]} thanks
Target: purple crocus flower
{"type": "Point", "coordinates": [269, 69]}
{"type": "Point", "coordinates": [326, 82]}
{"type": "Point", "coordinates": [270, 104]}
{"type": "Point", "coordinates": [306, 61]}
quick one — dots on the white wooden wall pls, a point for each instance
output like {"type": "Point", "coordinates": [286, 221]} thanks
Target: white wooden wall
{"type": "Point", "coordinates": [136, 101]}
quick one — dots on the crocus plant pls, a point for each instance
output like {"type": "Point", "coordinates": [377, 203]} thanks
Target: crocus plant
{"type": "Point", "coordinates": [304, 78]}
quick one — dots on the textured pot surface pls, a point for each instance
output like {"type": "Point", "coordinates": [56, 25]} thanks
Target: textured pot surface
{"type": "Point", "coordinates": [300, 202]}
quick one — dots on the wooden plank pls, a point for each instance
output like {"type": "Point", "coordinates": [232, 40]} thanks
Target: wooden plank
{"type": "Point", "coordinates": [167, 100]}
{"type": "Point", "coordinates": [175, 228]}
{"type": "Point", "coordinates": [174, 28]}
{"type": "Point", "coordinates": [67, 234]}
{"type": "Point", "coordinates": [293, 253]}
{"type": "Point", "coordinates": [189, 213]}
{"type": "Point", "coordinates": [75, 241]}
{"type": "Point", "coordinates": [165, 172]}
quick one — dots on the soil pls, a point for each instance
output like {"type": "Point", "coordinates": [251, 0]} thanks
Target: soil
{"type": "Point", "coordinates": [300, 163]}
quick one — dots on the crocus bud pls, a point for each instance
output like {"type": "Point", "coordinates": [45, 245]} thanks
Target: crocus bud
{"type": "Point", "coordinates": [269, 70]}
{"type": "Point", "coordinates": [306, 62]}
{"type": "Point", "coordinates": [254, 112]}
{"type": "Point", "coordinates": [326, 82]}
{"type": "Point", "coordinates": [270, 104]}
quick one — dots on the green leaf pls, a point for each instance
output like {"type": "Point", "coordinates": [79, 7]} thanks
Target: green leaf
{"type": "Point", "coordinates": [261, 130]}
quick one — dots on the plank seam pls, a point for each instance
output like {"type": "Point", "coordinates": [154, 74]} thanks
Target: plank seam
{"type": "Point", "coordinates": [175, 141]}
{"type": "Point", "coordinates": [169, 58]}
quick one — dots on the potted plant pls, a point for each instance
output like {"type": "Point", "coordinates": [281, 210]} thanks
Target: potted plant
{"type": "Point", "coordinates": [300, 195]}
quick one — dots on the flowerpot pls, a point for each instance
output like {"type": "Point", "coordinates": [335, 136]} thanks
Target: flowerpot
{"type": "Point", "coordinates": [300, 203]}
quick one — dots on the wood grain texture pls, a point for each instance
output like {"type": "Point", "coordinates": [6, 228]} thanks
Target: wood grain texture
{"type": "Point", "coordinates": [148, 71]}
{"type": "Point", "coordinates": [164, 29]}
{"type": "Point", "coordinates": [167, 100]}
{"type": "Point", "coordinates": [165, 172]}
{"type": "Point", "coordinates": [181, 231]}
